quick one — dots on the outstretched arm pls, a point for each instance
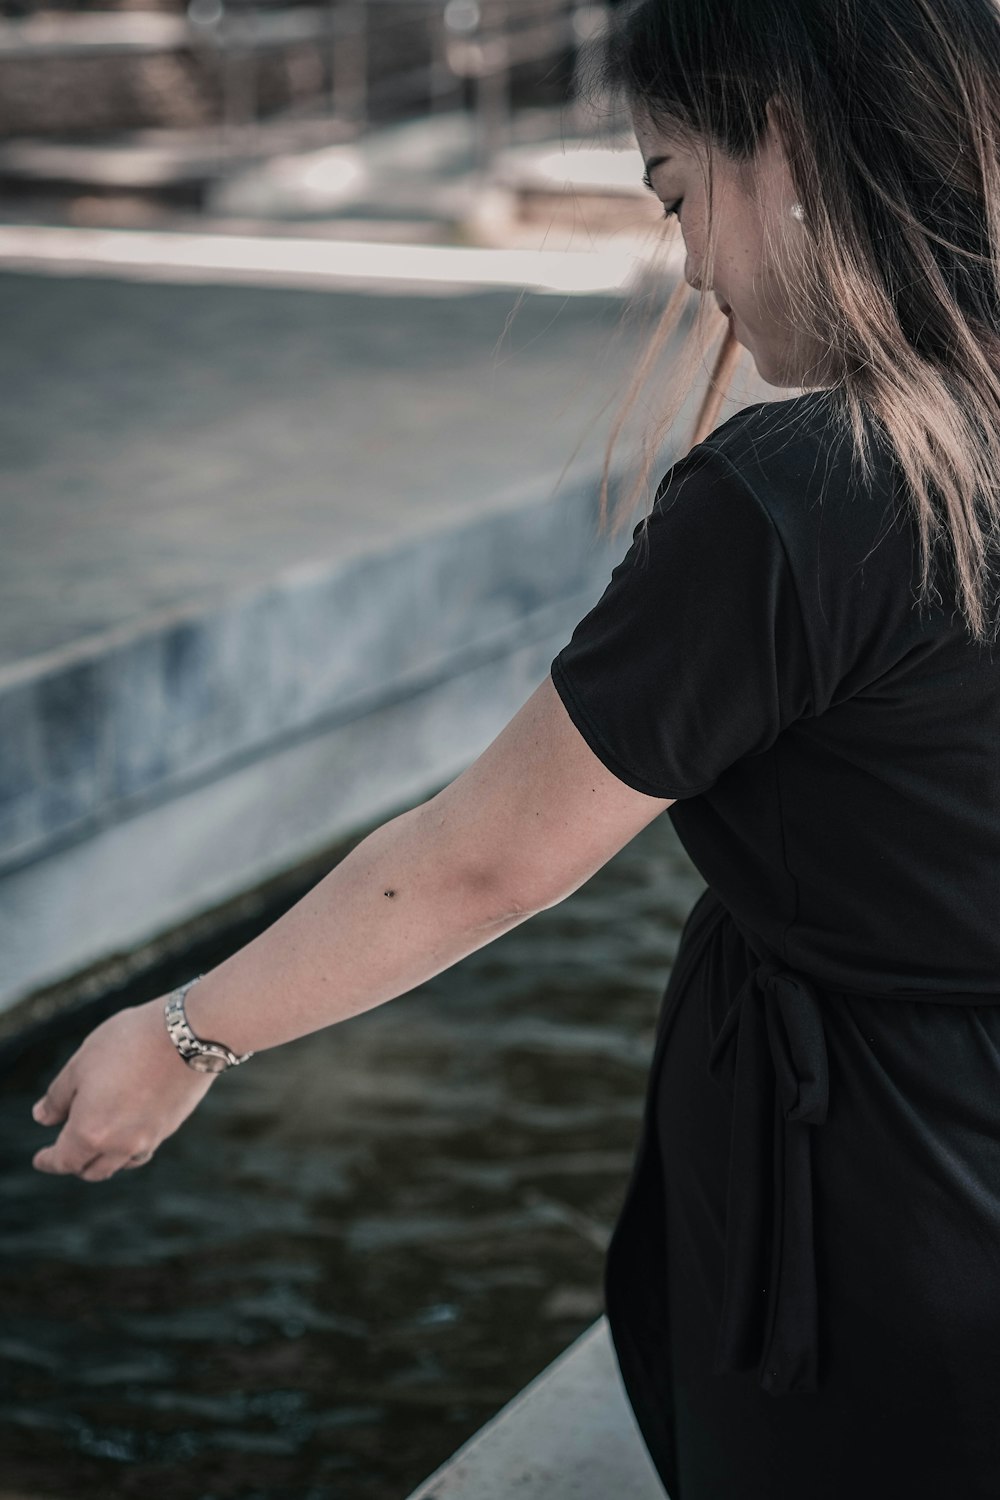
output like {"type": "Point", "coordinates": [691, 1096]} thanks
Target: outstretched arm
{"type": "Point", "coordinates": [526, 824]}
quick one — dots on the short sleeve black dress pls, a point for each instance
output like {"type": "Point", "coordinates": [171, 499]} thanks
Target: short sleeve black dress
{"type": "Point", "coordinates": [803, 1283]}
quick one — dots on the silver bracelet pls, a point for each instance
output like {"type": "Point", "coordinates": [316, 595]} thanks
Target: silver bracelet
{"type": "Point", "coordinates": [204, 1056]}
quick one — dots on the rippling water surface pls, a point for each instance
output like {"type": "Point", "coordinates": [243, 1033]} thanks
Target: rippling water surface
{"type": "Point", "coordinates": [360, 1245]}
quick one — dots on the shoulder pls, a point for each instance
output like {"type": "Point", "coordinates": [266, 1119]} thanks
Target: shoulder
{"type": "Point", "coordinates": [798, 456]}
{"type": "Point", "coordinates": [751, 477]}
{"type": "Point", "coordinates": [769, 449]}
{"type": "Point", "coordinates": [772, 429]}
{"type": "Point", "coordinates": [785, 449]}
{"type": "Point", "coordinates": [846, 530]}
{"type": "Point", "coordinates": [795, 461]}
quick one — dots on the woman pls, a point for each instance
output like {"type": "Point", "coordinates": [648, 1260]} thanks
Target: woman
{"type": "Point", "coordinates": [803, 1285]}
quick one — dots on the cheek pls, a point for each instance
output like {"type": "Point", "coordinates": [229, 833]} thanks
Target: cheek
{"type": "Point", "coordinates": [748, 279]}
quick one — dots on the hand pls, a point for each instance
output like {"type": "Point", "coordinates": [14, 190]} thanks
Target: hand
{"type": "Point", "coordinates": [124, 1090]}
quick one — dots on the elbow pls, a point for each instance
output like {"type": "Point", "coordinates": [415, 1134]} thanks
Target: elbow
{"type": "Point", "coordinates": [496, 900]}
{"type": "Point", "coordinates": [514, 898]}
{"type": "Point", "coordinates": [489, 889]}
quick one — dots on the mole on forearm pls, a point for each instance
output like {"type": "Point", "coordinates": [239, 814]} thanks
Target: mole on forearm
{"type": "Point", "coordinates": [390, 893]}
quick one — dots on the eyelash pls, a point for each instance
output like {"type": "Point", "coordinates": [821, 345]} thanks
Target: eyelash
{"type": "Point", "coordinates": [672, 208]}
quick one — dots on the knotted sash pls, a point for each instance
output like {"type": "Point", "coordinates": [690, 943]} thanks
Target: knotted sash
{"type": "Point", "coordinates": [770, 1057]}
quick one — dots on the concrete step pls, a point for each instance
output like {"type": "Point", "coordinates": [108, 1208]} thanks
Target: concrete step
{"type": "Point", "coordinates": [569, 1435]}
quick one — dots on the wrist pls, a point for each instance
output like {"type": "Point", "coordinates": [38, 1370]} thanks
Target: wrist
{"type": "Point", "coordinates": [153, 1013]}
{"type": "Point", "coordinates": [206, 1052]}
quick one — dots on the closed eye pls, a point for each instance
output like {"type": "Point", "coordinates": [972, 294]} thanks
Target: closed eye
{"type": "Point", "coordinates": [671, 208]}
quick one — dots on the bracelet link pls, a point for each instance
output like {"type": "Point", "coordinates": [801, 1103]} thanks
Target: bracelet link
{"type": "Point", "coordinates": [199, 1053]}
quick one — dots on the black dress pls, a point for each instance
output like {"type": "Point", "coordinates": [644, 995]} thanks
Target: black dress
{"type": "Point", "coordinates": [803, 1284]}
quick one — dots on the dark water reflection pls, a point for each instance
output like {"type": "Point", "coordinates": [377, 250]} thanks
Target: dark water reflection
{"type": "Point", "coordinates": [359, 1246]}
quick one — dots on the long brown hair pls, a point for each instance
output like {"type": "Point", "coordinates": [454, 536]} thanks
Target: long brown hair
{"type": "Point", "coordinates": [889, 114]}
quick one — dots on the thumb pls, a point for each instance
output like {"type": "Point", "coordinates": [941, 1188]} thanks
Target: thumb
{"type": "Point", "coordinates": [45, 1112]}
{"type": "Point", "coordinates": [53, 1106]}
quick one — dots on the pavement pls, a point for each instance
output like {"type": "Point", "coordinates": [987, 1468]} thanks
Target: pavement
{"type": "Point", "coordinates": [170, 444]}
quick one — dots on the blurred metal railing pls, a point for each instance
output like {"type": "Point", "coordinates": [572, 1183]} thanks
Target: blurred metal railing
{"type": "Point", "coordinates": [467, 50]}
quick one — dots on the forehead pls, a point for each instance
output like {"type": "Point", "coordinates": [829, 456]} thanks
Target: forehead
{"type": "Point", "coordinates": [659, 140]}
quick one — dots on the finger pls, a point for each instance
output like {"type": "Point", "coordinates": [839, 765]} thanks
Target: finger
{"type": "Point", "coordinates": [60, 1162]}
{"type": "Point", "coordinates": [68, 1155]}
{"type": "Point", "coordinates": [49, 1160]}
{"type": "Point", "coordinates": [140, 1159]}
{"type": "Point", "coordinates": [98, 1167]}
{"type": "Point", "coordinates": [53, 1107]}
{"type": "Point", "coordinates": [89, 1169]}
{"type": "Point", "coordinates": [54, 1104]}
{"type": "Point", "coordinates": [103, 1167]}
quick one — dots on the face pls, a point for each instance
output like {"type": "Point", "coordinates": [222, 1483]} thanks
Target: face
{"type": "Point", "coordinates": [755, 235]}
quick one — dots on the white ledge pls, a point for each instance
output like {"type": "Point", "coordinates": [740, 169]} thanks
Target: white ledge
{"type": "Point", "coordinates": [570, 1433]}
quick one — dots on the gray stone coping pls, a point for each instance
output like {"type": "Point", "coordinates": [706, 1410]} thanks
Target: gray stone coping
{"type": "Point", "coordinates": [569, 1435]}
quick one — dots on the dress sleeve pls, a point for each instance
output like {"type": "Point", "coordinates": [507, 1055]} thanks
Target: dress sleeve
{"type": "Point", "coordinates": [695, 655]}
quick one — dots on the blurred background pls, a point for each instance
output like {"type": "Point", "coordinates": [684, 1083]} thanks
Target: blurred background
{"type": "Point", "coordinates": [315, 319]}
{"type": "Point", "coordinates": [233, 110]}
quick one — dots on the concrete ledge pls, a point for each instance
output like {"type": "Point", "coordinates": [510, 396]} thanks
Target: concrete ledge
{"type": "Point", "coordinates": [570, 1432]}
{"type": "Point", "coordinates": [141, 876]}
{"type": "Point", "coordinates": [98, 729]}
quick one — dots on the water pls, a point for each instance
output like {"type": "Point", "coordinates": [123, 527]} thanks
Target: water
{"type": "Point", "coordinates": [361, 1244]}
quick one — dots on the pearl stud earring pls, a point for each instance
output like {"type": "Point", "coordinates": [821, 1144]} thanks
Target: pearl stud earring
{"type": "Point", "coordinates": [797, 211]}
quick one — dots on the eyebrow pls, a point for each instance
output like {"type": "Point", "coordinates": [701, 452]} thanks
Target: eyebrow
{"type": "Point", "coordinates": [654, 161]}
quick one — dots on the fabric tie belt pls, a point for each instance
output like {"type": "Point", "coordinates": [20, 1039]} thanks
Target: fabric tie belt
{"type": "Point", "coordinates": [770, 1057]}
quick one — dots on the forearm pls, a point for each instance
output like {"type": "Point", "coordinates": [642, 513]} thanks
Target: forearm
{"type": "Point", "coordinates": [400, 908]}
